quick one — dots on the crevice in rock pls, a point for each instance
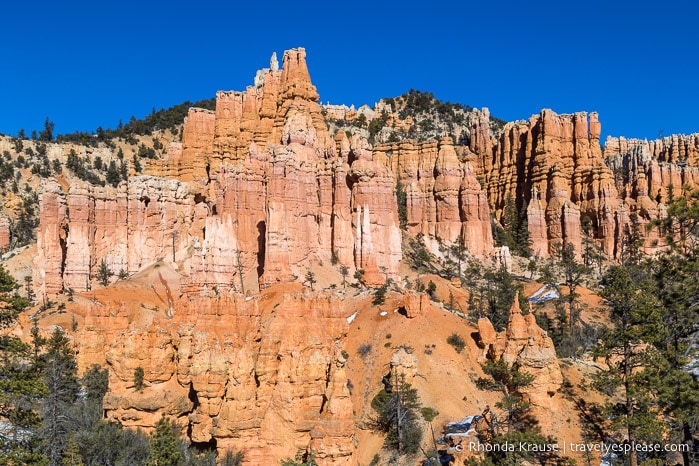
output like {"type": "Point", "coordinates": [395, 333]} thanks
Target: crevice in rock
{"type": "Point", "coordinates": [322, 404]}
{"type": "Point", "coordinates": [64, 251]}
{"type": "Point", "coordinates": [193, 397]}
{"type": "Point", "coordinates": [261, 246]}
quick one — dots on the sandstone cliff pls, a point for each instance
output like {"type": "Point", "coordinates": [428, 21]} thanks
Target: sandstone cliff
{"type": "Point", "coordinates": [256, 194]}
{"type": "Point", "coordinates": [264, 376]}
{"type": "Point", "coordinates": [553, 167]}
{"type": "Point", "coordinates": [444, 199]}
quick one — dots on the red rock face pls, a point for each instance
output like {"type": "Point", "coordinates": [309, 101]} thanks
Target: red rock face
{"type": "Point", "coordinates": [51, 241]}
{"type": "Point", "coordinates": [4, 233]}
{"type": "Point", "coordinates": [444, 199]}
{"type": "Point", "coordinates": [552, 167]}
{"type": "Point", "coordinates": [257, 194]}
{"type": "Point", "coordinates": [260, 381]}
{"type": "Point", "coordinates": [525, 344]}
{"type": "Point", "coordinates": [649, 174]}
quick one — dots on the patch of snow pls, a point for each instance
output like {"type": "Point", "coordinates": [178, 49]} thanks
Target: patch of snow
{"type": "Point", "coordinates": [383, 313]}
{"type": "Point", "coordinates": [351, 318]}
{"type": "Point", "coordinates": [543, 294]}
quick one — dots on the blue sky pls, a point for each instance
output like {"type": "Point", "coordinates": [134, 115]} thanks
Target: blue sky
{"type": "Point", "coordinates": [89, 64]}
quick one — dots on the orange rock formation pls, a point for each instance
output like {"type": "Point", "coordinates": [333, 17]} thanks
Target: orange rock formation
{"type": "Point", "coordinates": [257, 193]}
{"type": "Point", "coordinates": [525, 344]}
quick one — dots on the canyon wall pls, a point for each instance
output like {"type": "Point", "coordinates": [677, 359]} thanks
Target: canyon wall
{"type": "Point", "coordinates": [257, 193]}
{"type": "Point", "coordinates": [553, 168]}
{"type": "Point", "coordinates": [444, 200]}
{"type": "Point", "coordinates": [237, 374]}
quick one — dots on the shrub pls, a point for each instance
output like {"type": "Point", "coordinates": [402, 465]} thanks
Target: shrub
{"type": "Point", "coordinates": [429, 413]}
{"type": "Point", "coordinates": [457, 342]}
{"type": "Point", "coordinates": [138, 375]}
{"type": "Point", "coordinates": [379, 296]}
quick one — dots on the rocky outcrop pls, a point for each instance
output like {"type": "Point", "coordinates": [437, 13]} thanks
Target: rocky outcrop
{"type": "Point", "coordinates": [444, 200]}
{"type": "Point", "coordinates": [552, 167]}
{"type": "Point", "coordinates": [524, 344]}
{"type": "Point", "coordinates": [649, 175]}
{"type": "Point", "coordinates": [677, 148]}
{"type": "Point", "coordinates": [415, 303]}
{"type": "Point", "coordinates": [256, 194]}
{"type": "Point", "coordinates": [51, 241]}
{"type": "Point", "coordinates": [265, 380]}
{"type": "Point", "coordinates": [654, 168]}
{"type": "Point", "coordinates": [4, 232]}
{"type": "Point", "coordinates": [129, 227]}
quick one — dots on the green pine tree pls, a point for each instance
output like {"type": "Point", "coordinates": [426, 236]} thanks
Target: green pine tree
{"type": "Point", "coordinates": [397, 416]}
{"type": "Point", "coordinates": [636, 325]}
{"type": "Point", "coordinates": [164, 445]}
{"type": "Point", "coordinates": [59, 370]}
{"type": "Point", "coordinates": [113, 175]}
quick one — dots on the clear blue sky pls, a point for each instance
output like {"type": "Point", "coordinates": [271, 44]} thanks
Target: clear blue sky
{"type": "Point", "coordinates": [86, 64]}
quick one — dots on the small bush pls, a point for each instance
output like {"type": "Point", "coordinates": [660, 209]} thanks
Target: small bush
{"type": "Point", "coordinates": [457, 342]}
{"type": "Point", "coordinates": [138, 375]}
{"type": "Point", "coordinates": [429, 413]}
{"type": "Point", "coordinates": [345, 354]}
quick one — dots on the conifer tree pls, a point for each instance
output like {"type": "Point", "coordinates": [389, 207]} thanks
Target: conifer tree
{"type": "Point", "coordinates": [397, 416]}
{"type": "Point", "coordinates": [59, 370]}
{"type": "Point", "coordinates": [21, 385]}
{"type": "Point", "coordinates": [164, 445]}
{"type": "Point", "coordinates": [113, 175]}
{"type": "Point", "coordinates": [630, 356]}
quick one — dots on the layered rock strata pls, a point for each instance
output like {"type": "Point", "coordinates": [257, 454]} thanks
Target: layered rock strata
{"type": "Point", "coordinates": [257, 193]}
{"type": "Point", "coordinates": [444, 200]}
{"type": "Point", "coordinates": [264, 380]}
{"type": "Point", "coordinates": [552, 167]}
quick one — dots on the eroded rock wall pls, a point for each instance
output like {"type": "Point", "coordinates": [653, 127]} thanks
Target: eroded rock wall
{"type": "Point", "coordinates": [256, 194]}
{"type": "Point", "coordinates": [262, 379]}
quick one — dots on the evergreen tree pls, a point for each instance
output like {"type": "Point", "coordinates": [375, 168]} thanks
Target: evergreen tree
{"type": "Point", "coordinates": [379, 296]}
{"type": "Point", "coordinates": [402, 201]}
{"type": "Point", "coordinates": [21, 385]}
{"type": "Point", "coordinates": [397, 416]}
{"type": "Point", "coordinates": [511, 381]}
{"type": "Point", "coordinates": [344, 271]}
{"type": "Point", "coordinates": [113, 175]}
{"type": "Point", "coordinates": [310, 278]}
{"type": "Point", "coordinates": [136, 164]}
{"type": "Point", "coordinates": [71, 455]}
{"type": "Point", "coordinates": [59, 370]}
{"type": "Point", "coordinates": [514, 229]}
{"type": "Point", "coordinates": [493, 297]}
{"type": "Point", "coordinates": [675, 275]}
{"type": "Point", "coordinates": [637, 324]}
{"type": "Point", "coordinates": [104, 273]}
{"type": "Point", "coordinates": [164, 445]}
{"type": "Point", "coordinates": [47, 133]}
{"type": "Point", "coordinates": [95, 383]}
